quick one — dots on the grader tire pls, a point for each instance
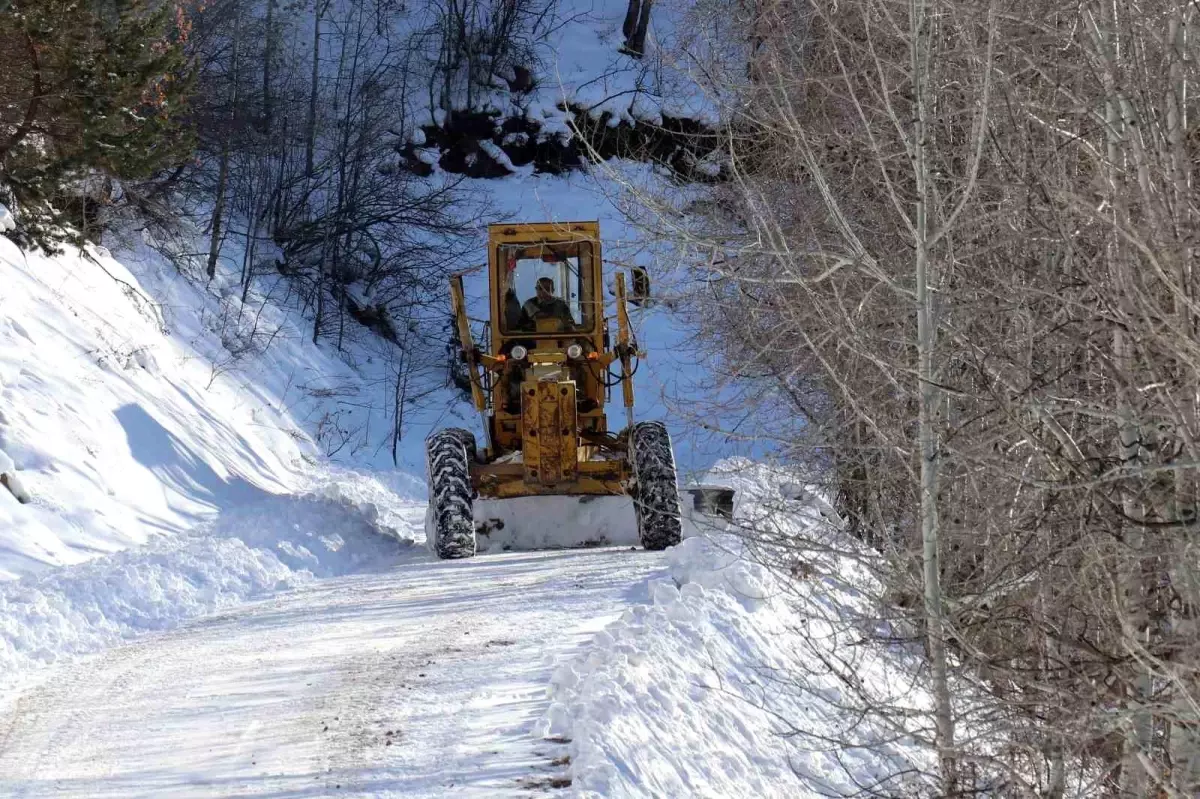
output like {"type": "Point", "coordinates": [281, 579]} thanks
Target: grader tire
{"type": "Point", "coordinates": [448, 455]}
{"type": "Point", "coordinates": [655, 492]}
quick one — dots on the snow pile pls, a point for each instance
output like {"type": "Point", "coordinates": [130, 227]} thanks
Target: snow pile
{"type": "Point", "coordinates": [393, 501]}
{"type": "Point", "coordinates": [7, 222]}
{"type": "Point", "coordinates": [247, 553]}
{"type": "Point", "coordinates": [721, 685]}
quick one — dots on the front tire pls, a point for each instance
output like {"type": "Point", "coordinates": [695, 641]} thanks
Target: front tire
{"type": "Point", "coordinates": [655, 490]}
{"type": "Point", "coordinates": [448, 455]}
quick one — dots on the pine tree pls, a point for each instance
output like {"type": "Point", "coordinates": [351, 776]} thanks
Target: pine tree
{"type": "Point", "coordinates": [92, 91]}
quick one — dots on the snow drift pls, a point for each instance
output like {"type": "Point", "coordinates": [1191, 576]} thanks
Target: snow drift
{"type": "Point", "coordinates": [718, 685]}
{"type": "Point", "coordinates": [343, 526]}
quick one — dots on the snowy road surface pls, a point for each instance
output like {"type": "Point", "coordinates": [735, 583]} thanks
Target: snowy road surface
{"type": "Point", "coordinates": [426, 680]}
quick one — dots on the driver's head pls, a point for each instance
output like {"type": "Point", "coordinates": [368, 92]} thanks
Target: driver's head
{"type": "Point", "coordinates": [545, 288]}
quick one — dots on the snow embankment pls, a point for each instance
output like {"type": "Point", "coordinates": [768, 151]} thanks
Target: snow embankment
{"type": "Point", "coordinates": [725, 684]}
{"type": "Point", "coordinates": [135, 402]}
{"type": "Point", "coordinates": [349, 524]}
{"type": "Point", "coordinates": [117, 424]}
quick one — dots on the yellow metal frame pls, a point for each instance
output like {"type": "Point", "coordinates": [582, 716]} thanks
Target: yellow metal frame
{"type": "Point", "coordinates": [550, 430]}
{"type": "Point", "coordinates": [533, 233]}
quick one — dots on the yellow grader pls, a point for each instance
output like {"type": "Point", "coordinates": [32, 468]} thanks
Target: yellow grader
{"type": "Point", "coordinates": [540, 389]}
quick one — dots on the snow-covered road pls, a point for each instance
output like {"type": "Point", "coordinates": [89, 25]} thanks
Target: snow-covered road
{"type": "Point", "coordinates": [425, 680]}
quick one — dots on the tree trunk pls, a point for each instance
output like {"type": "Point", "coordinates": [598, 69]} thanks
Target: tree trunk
{"type": "Point", "coordinates": [319, 313]}
{"type": "Point", "coordinates": [268, 58]}
{"type": "Point", "coordinates": [248, 254]}
{"type": "Point", "coordinates": [402, 373]}
{"type": "Point", "coordinates": [214, 244]}
{"type": "Point", "coordinates": [928, 399]}
{"type": "Point", "coordinates": [280, 175]}
{"type": "Point", "coordinates": [1184, 739]}
{"type": "Point", "coordinates": [35, 100]}
{"type": "Point", "coordinates": [637, 20]}
{"type": "Point", "coordinates": [310, 133]}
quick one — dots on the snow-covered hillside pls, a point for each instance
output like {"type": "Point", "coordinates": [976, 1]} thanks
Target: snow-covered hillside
{"type": "Point", "coordinates": [135, 404]}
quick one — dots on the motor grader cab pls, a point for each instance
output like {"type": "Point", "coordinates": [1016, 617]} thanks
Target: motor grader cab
{"type": "Point", "coordinates": [541, 387]}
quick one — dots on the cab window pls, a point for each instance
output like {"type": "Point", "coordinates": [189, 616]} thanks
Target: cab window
{"type": "Point", "coordinates": [546, 288]}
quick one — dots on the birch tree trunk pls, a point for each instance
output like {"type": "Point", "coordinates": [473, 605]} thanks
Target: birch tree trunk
{"type": "Point", "coordinates": [637, 21]}
{"type": "Point", "coordinates": [1184, 739]}
{"type": "Point", "coordinates": [928, 401]}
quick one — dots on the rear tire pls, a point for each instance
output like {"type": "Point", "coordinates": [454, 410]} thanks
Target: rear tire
{"type": "Point", "coordinates": [448, 455]}
{"type": "Point", "coordinates": [655, 490]}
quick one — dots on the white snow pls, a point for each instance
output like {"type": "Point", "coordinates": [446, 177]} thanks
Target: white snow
{"type": "Point", "coordinates": [6, 220]}
{"type": "Point", "coordinates": [717, 687]}
{"type": "Point", "coordinates": [425, 680]}
{"type": "Point", "coordinates": [111, 422]}
{"type": "Point", "coordinates": [135, 403]}
{"type": "Point", "coordinates": [588, 69]}
{"type": "Point", "coordinates": [500, 157]}
{"type": "Point", "coordinates": [250, 551]}
{"type": "Point", "coordinates": [428, 155]}
{"type": "Point", "coordinates": [196, 602]}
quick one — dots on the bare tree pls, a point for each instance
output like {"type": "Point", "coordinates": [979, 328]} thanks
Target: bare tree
{"type": "Point", "coordinates": [953, 244]}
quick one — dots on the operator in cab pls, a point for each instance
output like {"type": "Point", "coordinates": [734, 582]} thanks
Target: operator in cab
{"type": "Point", "coordinates": [544, 305]}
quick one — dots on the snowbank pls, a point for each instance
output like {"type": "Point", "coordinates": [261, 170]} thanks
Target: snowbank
{"type": "Point", "coordinates": [136, 403]}
{"type": "Point", "coordinates": [117, 428]}
{"type": "Point", "coordinates": [153, 473]}
{"type": "Point", "coordinates": [344, 526]}
{"type": "Point", "coordinates": [718, 686]}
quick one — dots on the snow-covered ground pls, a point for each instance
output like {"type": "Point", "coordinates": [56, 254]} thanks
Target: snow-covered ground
{"type": "Point", "coordinates": [368, 669]}
{"type": "Point", "coordinates": [195, 599]}
{"type": "Point", "coordinates": [258, 549]}
{"type": "Point", "coordinates": [725, 682]}
{"type": "Point", "coordinates": [418, 679]}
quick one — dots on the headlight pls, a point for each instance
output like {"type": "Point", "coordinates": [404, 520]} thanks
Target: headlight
{"type": "Point", "coordinates": [574, 351]}
{"type": "Point", "coordinates": [518, 353]}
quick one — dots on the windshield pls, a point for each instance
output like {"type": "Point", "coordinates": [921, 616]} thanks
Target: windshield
{"type": "Point", "coordinates": [546, 288]}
